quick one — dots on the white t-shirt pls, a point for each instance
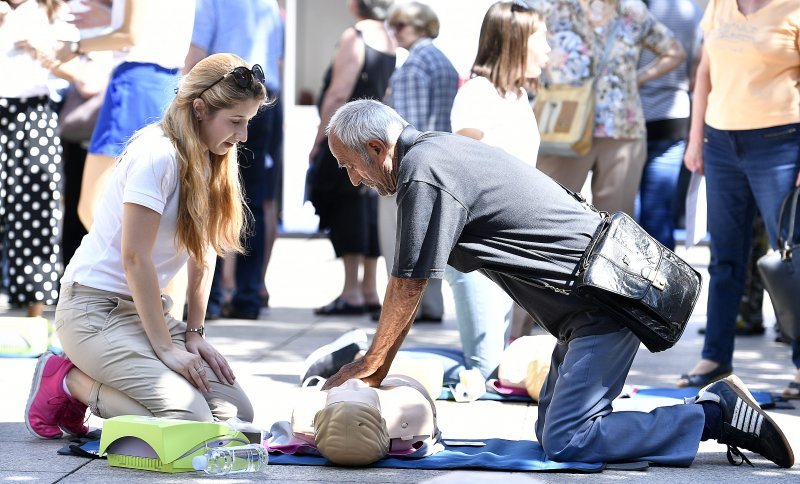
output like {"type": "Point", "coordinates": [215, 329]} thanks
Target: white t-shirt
{"type": "Point", "coordinates": [507, 122]}
{"type": "Point", "coordinates": [166, 40]}
{"type": "Point", "coordinates": [147, 175]}
{"type": "Point", "coordinates": [20, 74]}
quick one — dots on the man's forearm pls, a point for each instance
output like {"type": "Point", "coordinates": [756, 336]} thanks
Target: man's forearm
{"type": "Point", "coordinates": [399, 308]}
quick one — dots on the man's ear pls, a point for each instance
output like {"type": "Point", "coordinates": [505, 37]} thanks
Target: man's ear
{"type": "Point", "coordinates": [199, 108]}
{"type": "Point", "coordinates": [377, 149]}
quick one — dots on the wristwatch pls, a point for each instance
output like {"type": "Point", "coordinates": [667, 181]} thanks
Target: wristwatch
{"type": "Point", "coordinates": [75, 47]}
{"type": "Point", "coordinates": [201, 331]}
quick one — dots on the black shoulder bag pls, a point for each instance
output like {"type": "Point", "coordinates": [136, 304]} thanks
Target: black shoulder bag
{"type": "Point", "coordinates": [646, 286]}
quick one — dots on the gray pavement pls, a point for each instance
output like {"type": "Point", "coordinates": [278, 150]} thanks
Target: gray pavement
{"type": "Point", "coordinates": [267, 354]}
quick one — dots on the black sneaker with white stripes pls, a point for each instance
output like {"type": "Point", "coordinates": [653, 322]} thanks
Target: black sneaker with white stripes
{"type": "Point", "coordinates": [745, 425]}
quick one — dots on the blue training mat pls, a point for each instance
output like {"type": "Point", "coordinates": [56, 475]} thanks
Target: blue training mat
{"type": "Point", "coordinates": [497, 454]}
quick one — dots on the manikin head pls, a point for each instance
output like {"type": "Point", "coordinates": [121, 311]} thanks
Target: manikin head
{"type": "Point", "coordinates": [350, 430]}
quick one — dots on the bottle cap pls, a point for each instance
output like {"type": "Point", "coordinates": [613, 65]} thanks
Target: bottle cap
{"type": "Point", "coordinates": [200, 462]}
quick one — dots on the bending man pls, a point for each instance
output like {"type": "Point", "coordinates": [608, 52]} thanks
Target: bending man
{"type": "Point", "coordinates": [527, 234]}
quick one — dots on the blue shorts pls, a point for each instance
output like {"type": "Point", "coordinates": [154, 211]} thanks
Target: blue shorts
{"type": "Point", "coordinates": [137, 95]}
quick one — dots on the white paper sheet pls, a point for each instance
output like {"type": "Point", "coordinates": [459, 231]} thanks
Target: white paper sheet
{"type": "Point", "coordinates": [696, 210]}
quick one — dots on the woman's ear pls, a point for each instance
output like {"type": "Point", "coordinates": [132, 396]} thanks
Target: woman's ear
{"type": "Point", "coordinates": [199, 108]}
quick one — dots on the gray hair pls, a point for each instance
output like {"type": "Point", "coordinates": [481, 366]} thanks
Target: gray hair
{"type": "Point", "coordinates": [358, 122]}
{"type": "Point", "coordinates": [374, 9]}
{"type": "Point", "coordinates": [418, 15]}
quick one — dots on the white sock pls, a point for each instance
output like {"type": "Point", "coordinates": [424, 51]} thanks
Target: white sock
{"type": "Point", "coordinates": [64, 385]}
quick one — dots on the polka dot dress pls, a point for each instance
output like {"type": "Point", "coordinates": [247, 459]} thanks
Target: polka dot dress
{"type": "Point", "coordinates": [30, 174]}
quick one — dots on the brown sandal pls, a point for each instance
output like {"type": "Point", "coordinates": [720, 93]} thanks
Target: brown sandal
{"type": "Point", "coordinates": [792, 392]}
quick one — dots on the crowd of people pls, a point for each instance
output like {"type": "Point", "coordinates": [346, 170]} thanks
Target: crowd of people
{"type": "Point", "coordinates": [169, 203]}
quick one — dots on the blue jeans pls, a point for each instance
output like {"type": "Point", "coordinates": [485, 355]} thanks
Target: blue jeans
{"type": "Point", "coordinates": [483, 314]}
{"type": "Point", "coordinates": [575, 419]}
{"type": "Point", "coordinates": [744, 170]}
{"type": "Point", "coordinates": [658, 188]}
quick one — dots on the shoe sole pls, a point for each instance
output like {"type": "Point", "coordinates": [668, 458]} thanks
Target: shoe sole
{"type": "Point", "coordinates": [741, 390]}
{"type": "Point", "coordinates": [350, 337]}
{"type": "Point", "coordinates": [37, 379]}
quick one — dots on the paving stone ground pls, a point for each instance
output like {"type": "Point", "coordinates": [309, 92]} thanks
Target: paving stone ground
{"type": "Point", "coordinates": [266, 356]}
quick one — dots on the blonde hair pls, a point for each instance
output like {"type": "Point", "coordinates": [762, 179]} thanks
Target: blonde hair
{"type": "Point", "coordinates": [211, 208]}
{"type": "Point", "coordinates": [351, 434]}
{"type": "Point", "coordinates": [503, 46]}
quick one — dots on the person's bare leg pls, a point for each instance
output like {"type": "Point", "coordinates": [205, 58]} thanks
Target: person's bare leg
{"type": "Point", "coordinates": [704, 366]}
{"type": "Point", "coordinates": [271, 226]}
{"type": "Point", "coordinates": [228, 277]}
{"type": "Point", "coordinates": [79, 385]}
{"type": "Point", "coordinates": [35, 309]}
{"type": "Point", "coordinates": [351, 291]}
{"type": "Point", "coordinates": [96, 173]}
{"type": "Point", "coordinates": [369, 282]}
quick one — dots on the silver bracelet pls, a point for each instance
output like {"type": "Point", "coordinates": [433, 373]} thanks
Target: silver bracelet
{"type": "Point", "coordinates": [201, 331]}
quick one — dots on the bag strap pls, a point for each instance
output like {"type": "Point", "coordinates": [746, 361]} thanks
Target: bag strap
{"type": "Point", "coordinates": [612, 34]}
{"type": "Point", "coordinates": [785, 245]}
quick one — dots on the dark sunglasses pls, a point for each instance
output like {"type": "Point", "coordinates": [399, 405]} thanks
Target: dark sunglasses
{"type": "Point", "coordinates": [242, 76]}
{"type": "Point", "coordinates": [397, 27]}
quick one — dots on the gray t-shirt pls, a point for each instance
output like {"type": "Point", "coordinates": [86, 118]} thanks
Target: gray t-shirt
{"type": "Point", "coordinates": [475, 207]}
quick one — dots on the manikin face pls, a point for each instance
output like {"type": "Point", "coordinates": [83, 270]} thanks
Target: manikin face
{"type": "Point", "coordinates": [221, 131]}
{"type": "Point", "coordinates": [538, 48]}
{"type": "Point", "coordinates": [376, 174]}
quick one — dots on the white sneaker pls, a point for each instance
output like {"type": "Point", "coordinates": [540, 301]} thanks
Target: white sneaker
{"type": "Point", "coordinates": [326, 360]}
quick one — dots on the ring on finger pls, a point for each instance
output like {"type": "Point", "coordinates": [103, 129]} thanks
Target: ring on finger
{"type": "Point", "coordinates": [199, 369]}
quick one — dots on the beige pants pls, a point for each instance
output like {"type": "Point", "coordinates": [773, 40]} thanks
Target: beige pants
{"type": "Point", "coordinates": [102, 334]}
{"type": "Point", "coordinates": [616, 166]}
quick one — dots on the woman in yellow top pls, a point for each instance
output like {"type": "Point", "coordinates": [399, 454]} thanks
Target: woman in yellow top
{"type": "Point", "coordinates": [745, 138]}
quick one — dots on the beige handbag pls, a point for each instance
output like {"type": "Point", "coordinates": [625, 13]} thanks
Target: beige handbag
{"type": "Point", "coordinates": [565, 113]}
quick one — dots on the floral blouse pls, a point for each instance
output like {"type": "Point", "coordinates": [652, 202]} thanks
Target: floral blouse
{"type": "Point", "coordinates": [577, 47]}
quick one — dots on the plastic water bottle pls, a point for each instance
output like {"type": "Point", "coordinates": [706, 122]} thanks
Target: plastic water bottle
{"type": "Point", "coordinates": [232, 460]}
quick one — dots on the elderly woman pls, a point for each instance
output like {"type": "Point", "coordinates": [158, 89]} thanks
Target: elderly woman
{"type": "Point", "coordinates": [582, 34]}
{"type": "Point", "coordinates": [362, 65]}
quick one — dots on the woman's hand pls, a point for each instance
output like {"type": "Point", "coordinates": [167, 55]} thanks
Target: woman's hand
{"type": "Point", "coordinates": [64, 53]}
{"type": "Point", "coordinates": [693, 157]}
{"type": "Point", "coordinates": [45, 56]}
{"type": "Point", "coordinates": [187, 364]}
{"type": "Point", "coordinates": [198, 345]}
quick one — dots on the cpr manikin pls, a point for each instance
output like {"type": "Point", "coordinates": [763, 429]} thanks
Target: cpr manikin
{"type": "Point", "coordinates": [356, 425]}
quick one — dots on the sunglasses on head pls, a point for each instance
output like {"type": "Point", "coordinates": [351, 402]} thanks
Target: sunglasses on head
{"type": "Point", "coordinates": [520, 6]}
{"type": "Point", "coordinates": [242, 76]}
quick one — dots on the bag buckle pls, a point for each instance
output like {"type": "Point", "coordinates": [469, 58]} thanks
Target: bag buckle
{"type": "Point", "coordinates": [652, 275]}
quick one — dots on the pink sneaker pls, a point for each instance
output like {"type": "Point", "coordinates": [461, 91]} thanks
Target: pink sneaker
{"type": "Point", "coordinates": [48, 403]}
{"type": "Point", "coordinates": [72, 422]}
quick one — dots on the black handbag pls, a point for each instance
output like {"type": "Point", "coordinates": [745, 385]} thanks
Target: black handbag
{"type": "Point", "coordinates": [646, 286]}
{"type": "Point", "coordinates": [780, 272]}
